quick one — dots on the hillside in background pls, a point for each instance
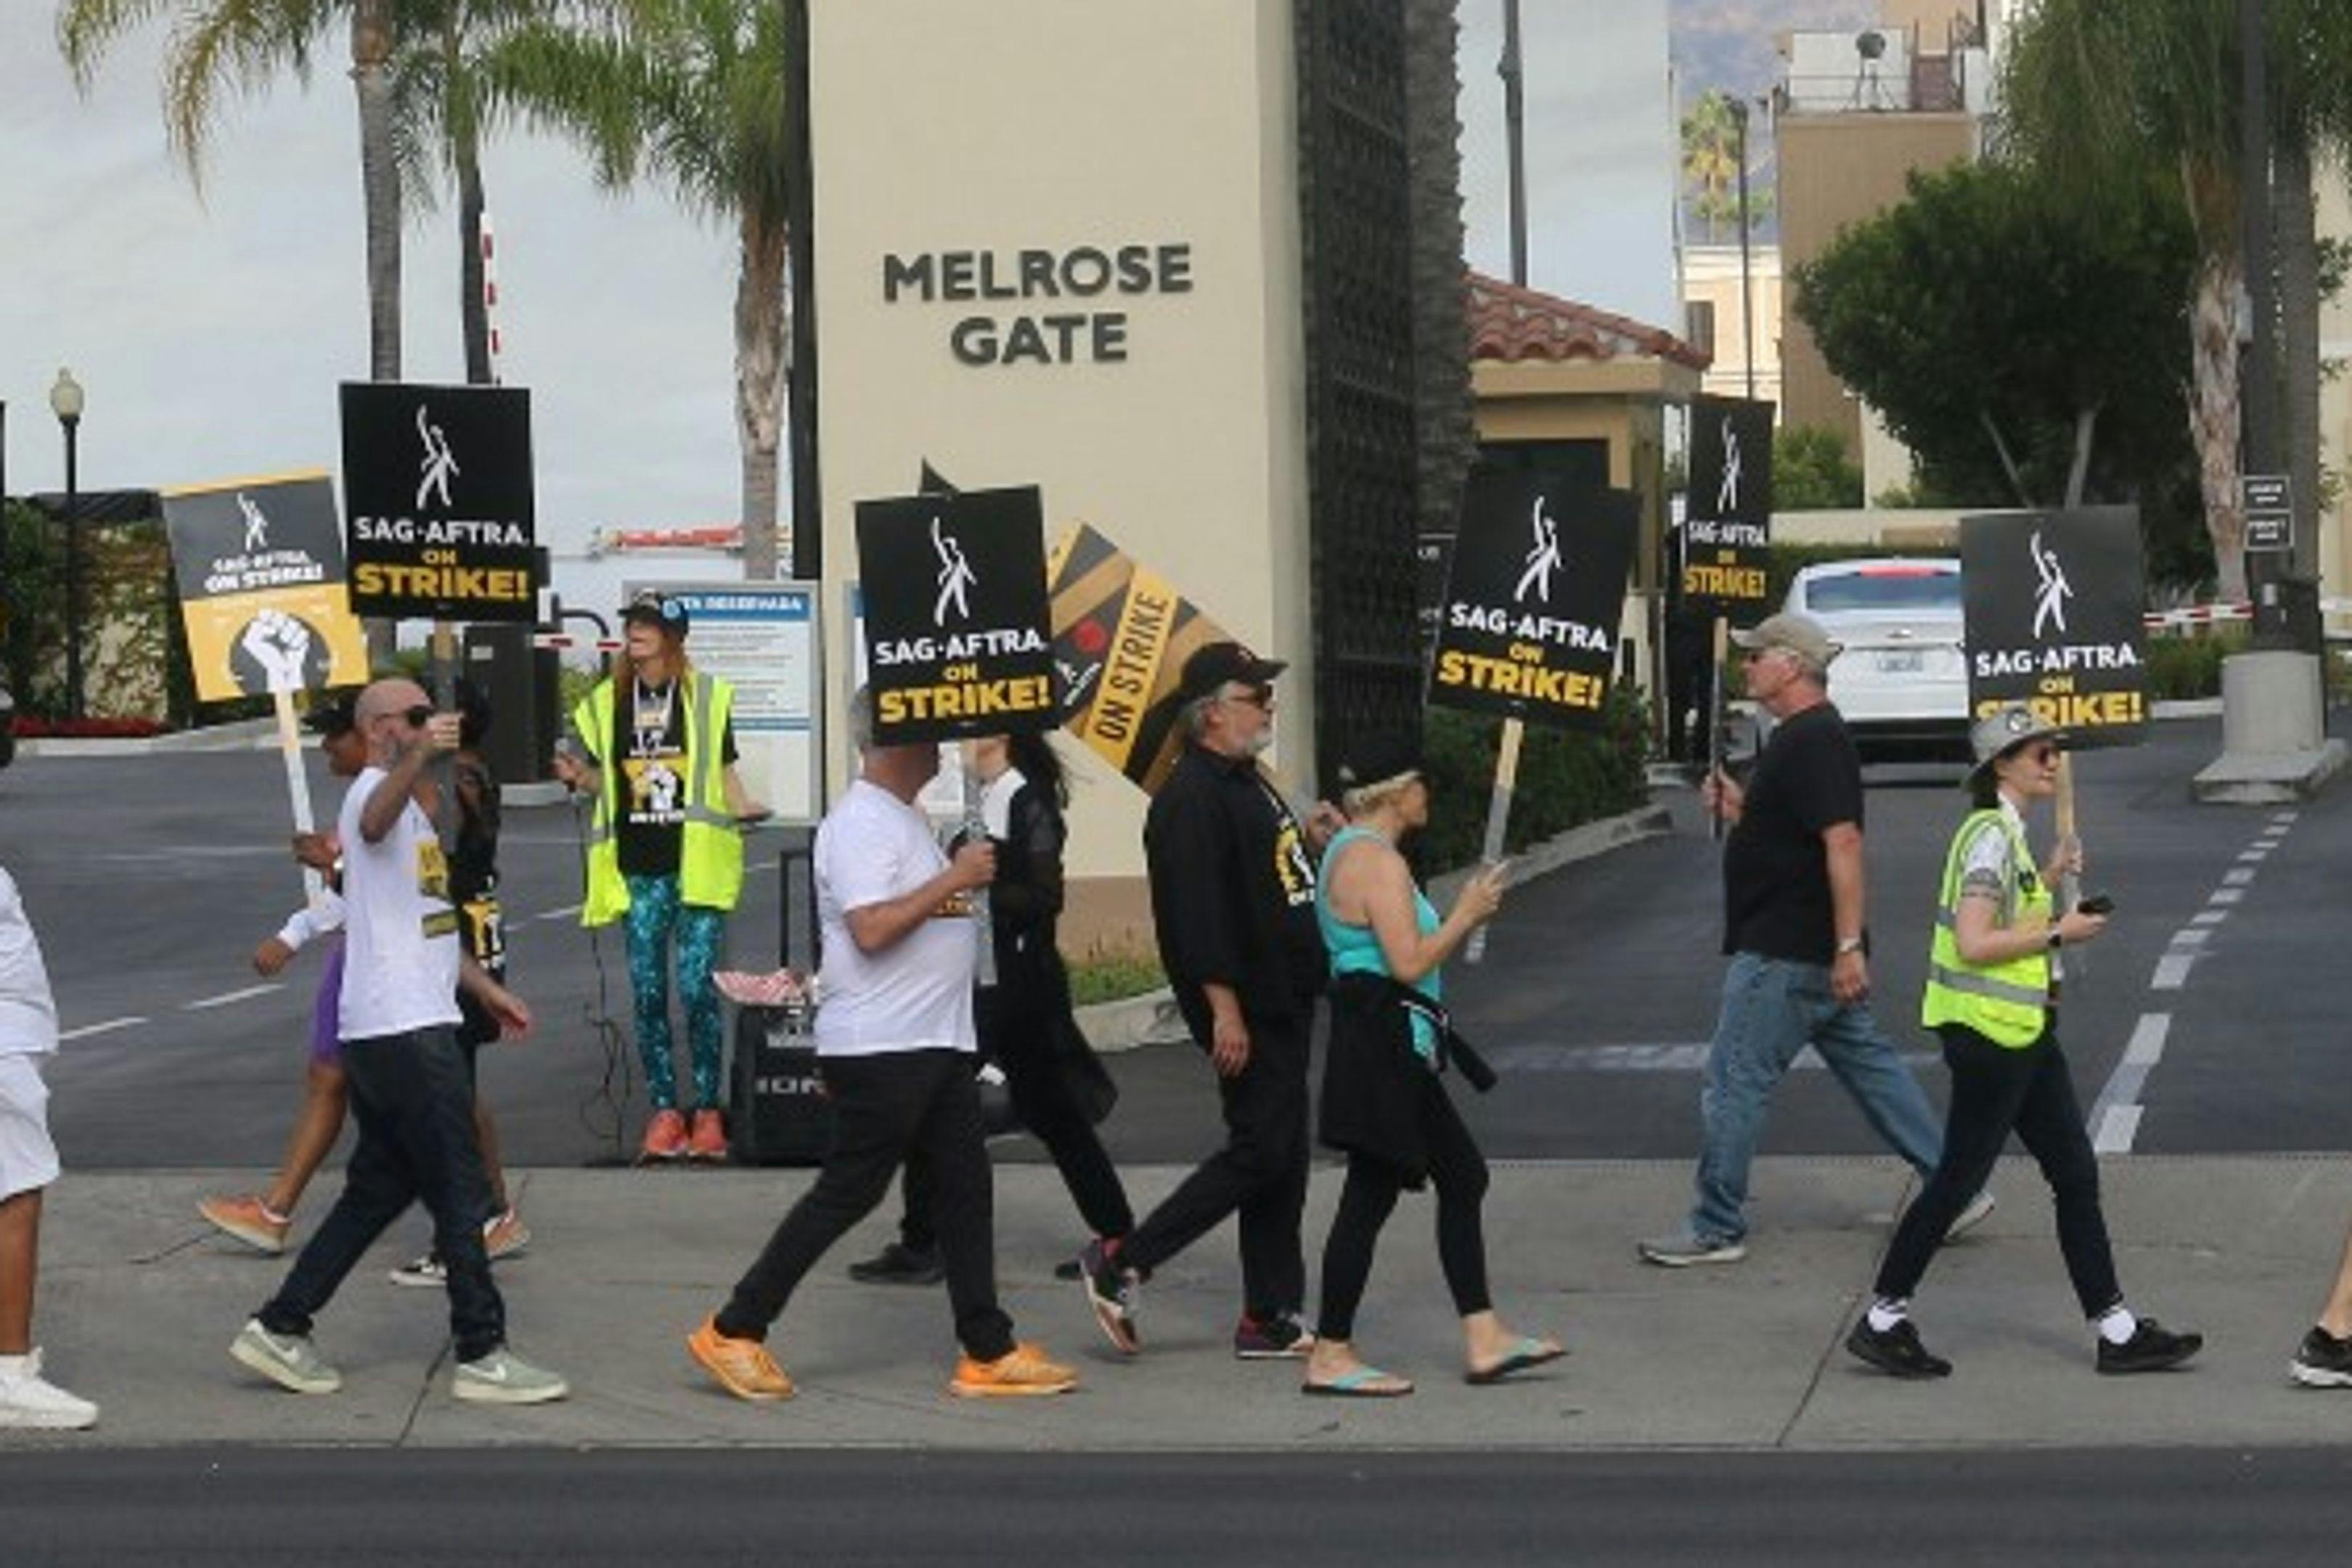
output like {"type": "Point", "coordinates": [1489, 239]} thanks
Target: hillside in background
{"type": "Point", "coordinates": [1728, 44]}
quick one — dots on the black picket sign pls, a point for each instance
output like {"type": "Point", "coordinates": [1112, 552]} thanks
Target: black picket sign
{"type": "Point", "coordinates": [1533, 598]}
{"type": "Point", "coordinates": [437, 491]}
{"type": "Point", "coordinates": [1727, 513]}
{"type": "Point", "coordinates": [2054, 602]}
{"type": "Point", "coordinates": [957, 640]}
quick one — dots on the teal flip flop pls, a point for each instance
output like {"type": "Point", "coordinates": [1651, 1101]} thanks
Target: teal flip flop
{"type": "Point", "coordinates": [1528, 1352]}
{"type": "Point", "coordinates": [1364, 1383]}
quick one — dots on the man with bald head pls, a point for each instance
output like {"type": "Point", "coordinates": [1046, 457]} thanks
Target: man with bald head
{"type": "Point", "coordinates": [410, 1092]}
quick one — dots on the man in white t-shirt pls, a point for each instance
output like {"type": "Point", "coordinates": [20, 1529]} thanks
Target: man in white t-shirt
{"type": "Point", "coordinates": [894, 1036]}
{"type": "Point", "coordinates": [410, 1092]}
{"type": "Point", "coordinates": [28, 1163]}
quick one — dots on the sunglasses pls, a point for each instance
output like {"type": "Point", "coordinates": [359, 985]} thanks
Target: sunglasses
{"type": "Point", "coordinates": [2042, 755]}
{"type": "Point", "coordinates": [416, 714]}
{"type": "Point", "coordinates": [1258, 696]}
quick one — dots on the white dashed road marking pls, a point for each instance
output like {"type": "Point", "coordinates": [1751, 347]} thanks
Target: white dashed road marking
{"type": "Point", "coordinates": [108, 1027]}
{"type": "Point", "coordinates": [2114, 1117]}
{"type": "Point", "coordinates": [227, 997]}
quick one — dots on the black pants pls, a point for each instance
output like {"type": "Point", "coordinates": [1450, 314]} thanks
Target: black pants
{"type": "Point", "coordinates": [414, 1101]}
{"type": "Point", "coordinates": [1022, 1040]}
{"type": "Point", "coordinates": [1457, 1171]}
{"type": "Point", "coordinates": [1994, 1090]}
{"type": "Point", "coordinates": [1259, 1175]}
{"type": "Point", "coordinates": [884, 1107]}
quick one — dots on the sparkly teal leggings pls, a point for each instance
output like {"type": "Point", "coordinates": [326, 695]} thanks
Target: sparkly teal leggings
{"type": "Point", "coordinates": [655, 914]}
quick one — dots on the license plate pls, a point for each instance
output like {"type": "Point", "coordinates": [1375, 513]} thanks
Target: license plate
{"type": "Point", "coordinates": [1902, 661]}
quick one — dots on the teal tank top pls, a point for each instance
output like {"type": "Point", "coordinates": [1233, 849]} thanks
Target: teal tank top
{"type": "Point", "coordinates": [1356, 949]}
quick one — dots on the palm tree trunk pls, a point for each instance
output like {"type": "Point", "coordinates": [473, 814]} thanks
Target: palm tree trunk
{"type": "Point", "coordinates": [473, 309]}
{"type": "Point", "coordinates": [371, 35]}
{"type": "Point", "coordinates": [2214, 414]}
{"type": "Point", "coordinates": [760, 327]}
{"type": "Point", "coordinates": [2298, 258]}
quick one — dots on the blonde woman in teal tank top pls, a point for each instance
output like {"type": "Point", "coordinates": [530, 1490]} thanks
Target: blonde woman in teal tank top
{"type": "Point", "coordinates": [1385, 1099]}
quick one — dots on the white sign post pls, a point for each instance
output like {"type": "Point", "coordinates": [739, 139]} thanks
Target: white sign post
{"type": "Point", "coordinates": [762, 638]}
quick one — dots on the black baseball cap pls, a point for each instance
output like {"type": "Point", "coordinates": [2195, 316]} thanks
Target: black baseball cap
{"type": "Point", "coordinates": [665, 610]}
{"type": "Point", "coordinates": [335, 713]}
{"type": "Point", "coordinates": [1378, 758]}
{"type": "Point", "coordinates": [1212, 665]}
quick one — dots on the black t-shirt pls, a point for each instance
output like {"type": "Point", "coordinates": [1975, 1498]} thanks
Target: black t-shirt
{"type": "Point", "coordinates": [1776, 878]}
{"type": "Point", "coordinates": [1233, 890]}
{"type": "Point", "coordinates": [650, 747]}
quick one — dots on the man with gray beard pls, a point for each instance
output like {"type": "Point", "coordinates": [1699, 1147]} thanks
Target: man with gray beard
{"type": "Point", "coordinates": [1232, 896]}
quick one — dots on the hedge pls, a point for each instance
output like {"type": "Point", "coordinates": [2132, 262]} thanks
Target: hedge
{"type": "Point", "coordinates": [1566, 778]}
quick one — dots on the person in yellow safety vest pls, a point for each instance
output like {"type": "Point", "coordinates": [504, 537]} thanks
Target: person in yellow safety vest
{"type": "Point", "coordinates": [654, 744]}
{"type": "Point", "coordinates": [1993, 994]}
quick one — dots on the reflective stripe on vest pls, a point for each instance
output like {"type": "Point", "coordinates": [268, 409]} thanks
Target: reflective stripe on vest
{"type": "Point", "coordinates": [2008, 1002]}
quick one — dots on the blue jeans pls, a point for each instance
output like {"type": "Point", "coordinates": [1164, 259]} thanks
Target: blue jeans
{"type": "Point", "coordinates": [1773, 1007]}
{"type": "Point", "coordinates": [414, 1106]}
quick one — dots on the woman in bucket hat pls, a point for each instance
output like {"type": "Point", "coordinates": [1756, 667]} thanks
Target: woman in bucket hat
{"type": "Point", "coordinates": [1991, 996]}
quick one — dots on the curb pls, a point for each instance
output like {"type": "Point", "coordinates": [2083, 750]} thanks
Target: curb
{"type": "Point", "coordinates": [242, 735]}
{"type": "Point", "coordinates": [1151, 1018]}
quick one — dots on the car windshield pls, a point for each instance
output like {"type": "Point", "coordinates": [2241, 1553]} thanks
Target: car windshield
{"type": "Point", "coordinates": [1912, 588]}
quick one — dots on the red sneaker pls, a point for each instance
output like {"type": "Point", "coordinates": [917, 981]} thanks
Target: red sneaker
{"type": "Point", "coordinates": [708, 1142]}
{"type": "Point", "coordinates": [665, 1137]}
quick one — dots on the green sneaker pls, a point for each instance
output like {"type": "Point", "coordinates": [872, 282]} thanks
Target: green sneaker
{"type": "Point", "coordinates": [289, 1361]}
{"type": "Point", "coordinates": [503, 1377]}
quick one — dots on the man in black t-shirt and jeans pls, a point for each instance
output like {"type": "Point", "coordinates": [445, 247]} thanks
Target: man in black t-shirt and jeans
{"type": "Point", "coordinates": [1799, 972]}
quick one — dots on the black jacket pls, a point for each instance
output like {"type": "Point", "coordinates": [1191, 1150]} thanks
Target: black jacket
{"type": "Point", "coordinates": [1374, 1081]}
{"type": "Point", "coordinates": [1232, 892]}
{"type": "Point", "coordinates": [1031, 999]}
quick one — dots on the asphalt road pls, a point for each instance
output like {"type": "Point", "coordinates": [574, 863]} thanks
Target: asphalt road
{"type": "Point", "coordinates": [152, 879]}
{"type": "Point", "coordinates": [719, 1507]}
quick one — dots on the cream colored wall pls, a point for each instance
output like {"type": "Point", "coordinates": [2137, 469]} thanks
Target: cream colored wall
{"type": "Point", "coordinates": [948, 124]}
{"type": "Point", "coordinates": [1711, 272]}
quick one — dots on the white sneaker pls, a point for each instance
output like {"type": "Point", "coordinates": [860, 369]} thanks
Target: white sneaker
{"type": "Point", "coordinates": [287, 1359]}
{"type": "Point", "coordinates": [503, 1377]}
{"type": "Point", "coordinates": [28, 1400]}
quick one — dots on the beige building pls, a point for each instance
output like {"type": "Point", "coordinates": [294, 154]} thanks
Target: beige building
{"type": "Point", "coordinates": [1713, 321]}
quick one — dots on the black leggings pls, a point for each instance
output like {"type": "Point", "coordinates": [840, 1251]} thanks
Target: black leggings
{"type": "Point", "coordinates": [1458, 1171]}
{"type": "Point", "coordinates": [1995, 1090]}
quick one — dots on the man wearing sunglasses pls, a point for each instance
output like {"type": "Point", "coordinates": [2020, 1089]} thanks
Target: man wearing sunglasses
{"type": "Point", "coordinates": [410, 1092]}
{"type": "Point", "coordinates": [1799, 972]}
{"type": "Point", "coordinates": [1233, 897]}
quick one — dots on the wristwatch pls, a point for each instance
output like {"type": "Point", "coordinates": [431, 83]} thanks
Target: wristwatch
{"type": "Point", "coordinates": [2054, 938]}
{"type": "Point", "coordinates": [1848, 944]}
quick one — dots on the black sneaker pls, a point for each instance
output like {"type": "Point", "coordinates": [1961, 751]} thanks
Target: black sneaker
{"type": "Point", "coordinates": [1281, 1338]}
{"type": "Point", "coordinates": [2152, 1348]}
{"type": "Point", "coordinates": [1110, 1291]}
{"type": "Point", "coordinates": [2322, 1360]}
{"type": "Point", "coordinates": [898, 1264]}
{"type": "Point", "coordinates": [1896, 1351]}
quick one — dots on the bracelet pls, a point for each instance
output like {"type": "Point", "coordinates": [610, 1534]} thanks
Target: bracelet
{"type": "Point", "coordinates": [2056, 940]}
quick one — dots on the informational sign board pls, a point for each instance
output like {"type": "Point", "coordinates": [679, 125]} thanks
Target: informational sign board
{"type": "Point", "coordinates": [437, 488]}
{"type": "Point", "coordinates": [762, 638]}
{"type": "Point", "coordinates": [1728, 514]}
{"type": "Point", "coordinates": [259, 565]}
{"type": "Point", "coordinates": [955, 615]}
{"type": "Point", "coordinates": [1121, 635]}
{"type": "Point", "coordinates": [2054, 602]}
{"type": "Point", "coordinates": [2269, 504]}
{"type": "Point", "coordinates": [1534, 599]}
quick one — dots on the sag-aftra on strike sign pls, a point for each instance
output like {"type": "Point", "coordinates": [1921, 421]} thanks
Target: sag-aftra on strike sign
{"type": "Point", "coordinates": [956, 628]}
{"type": "Point", "coordinates": [437, 488]}
{"type": "Point", "coordinates": [1528, 625]}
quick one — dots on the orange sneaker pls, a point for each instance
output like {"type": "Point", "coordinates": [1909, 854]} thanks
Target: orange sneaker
{"type": "Point", "coordinates": [665, 1137]}
{"type": "Point", "coordinates": [1022, 1371]}
{"type": "Point", "coordinates": [248, 1219]}
{"type": "Point", "coordinates": [742, 1367]}
{"type": "Point", "coordinates": [504, 1234]}
{"type": "Point", "coordinates": [708, 1140]}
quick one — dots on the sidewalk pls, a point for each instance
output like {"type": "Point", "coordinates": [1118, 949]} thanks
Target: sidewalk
{"type": "Point", "coordinates": [139, 1299]}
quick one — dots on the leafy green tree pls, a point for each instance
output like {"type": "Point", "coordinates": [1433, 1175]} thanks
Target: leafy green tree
{"type": "Point", "coordinates": [1711, 143]}
{"type": "Point", "coordinates": [1810, 471]}
{"type": "Point", "coordinates": [691, 92]}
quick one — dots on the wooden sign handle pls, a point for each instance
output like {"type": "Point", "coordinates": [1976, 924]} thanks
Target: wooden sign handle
{"type": "Point", "coordinates": [1716, 718]}
{"type": "Point", "coordinates": [1499, 818]}
{"type": "Point", "coordinates": [297, 787]}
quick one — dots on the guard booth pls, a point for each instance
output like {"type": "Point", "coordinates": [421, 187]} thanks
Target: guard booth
{"type": "Point", "coordinates": [523, 684]}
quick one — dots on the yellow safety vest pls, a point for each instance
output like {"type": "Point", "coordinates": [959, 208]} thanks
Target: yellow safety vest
{"type": "Point", "coordinates": [2005, 1003]}
{"type": "Point", "coordinates": [711, 847]}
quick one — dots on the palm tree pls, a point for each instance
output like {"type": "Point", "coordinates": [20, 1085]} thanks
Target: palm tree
{"type": "Point", "coordinates": [241, 45]}
{"type": "Point", "coordinates": [692, 92]}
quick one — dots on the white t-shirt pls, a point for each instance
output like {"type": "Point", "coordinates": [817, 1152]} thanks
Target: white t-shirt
{"type": "Point", "coordinates": [915, 995]}
{"type": "Point", "coordinates": [400, 962]}
{"type": "Point", "coordinates": [28, 1012]}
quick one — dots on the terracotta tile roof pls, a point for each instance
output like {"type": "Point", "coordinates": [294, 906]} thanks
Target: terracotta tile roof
{"type": "Point", "coordinates": [1511, 323]}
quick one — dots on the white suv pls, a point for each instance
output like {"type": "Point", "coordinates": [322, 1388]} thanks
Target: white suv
{"type": "Point", "coordinates": [1901, 676]}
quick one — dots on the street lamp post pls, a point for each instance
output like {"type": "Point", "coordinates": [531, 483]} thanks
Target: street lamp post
{"type": "Point", "coordinates": [1747, 289]}
{"type": "Point", "coordinates": [65, 403]}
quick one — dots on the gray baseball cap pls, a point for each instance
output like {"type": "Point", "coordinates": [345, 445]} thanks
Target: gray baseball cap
{"type": "Point", "coordinates": [1800, 634]}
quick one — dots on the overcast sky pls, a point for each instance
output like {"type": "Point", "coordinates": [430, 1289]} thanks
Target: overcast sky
{"type": "Point", "coordinates": [210, 329]}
